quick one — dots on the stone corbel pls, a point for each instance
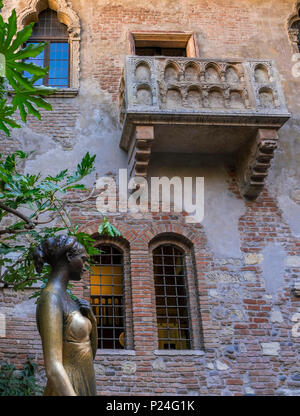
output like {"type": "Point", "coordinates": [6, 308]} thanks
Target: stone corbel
{"type": "Point", "coordinates": [140, 151]}
{"type": "Point", "coordinates": [256, 161]}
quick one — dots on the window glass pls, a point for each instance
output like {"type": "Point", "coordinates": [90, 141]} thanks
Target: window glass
{"type": "Point", "coordinates": [56, 53]}
{"type": "Point", "coordinates": [107, 298]}
{"type": "Point", "coordinates": [59, 64]}
{"type": "Point", "coordinates": [171, 298]}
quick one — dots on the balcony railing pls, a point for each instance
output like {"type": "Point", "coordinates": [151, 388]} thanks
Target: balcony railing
{"type": "Point", "coordinates": [199, 98]}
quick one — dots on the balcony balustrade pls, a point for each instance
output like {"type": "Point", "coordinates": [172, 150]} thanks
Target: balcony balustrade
{"type": "Point", "coordinates": [210, 106]}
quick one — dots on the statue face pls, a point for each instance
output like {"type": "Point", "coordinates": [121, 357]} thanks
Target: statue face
{"type": "Point", "coordinates": [76, 265]}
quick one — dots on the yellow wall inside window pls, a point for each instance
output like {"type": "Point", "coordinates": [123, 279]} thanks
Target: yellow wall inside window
{"type": "Point", "coordinates": [108, 280]}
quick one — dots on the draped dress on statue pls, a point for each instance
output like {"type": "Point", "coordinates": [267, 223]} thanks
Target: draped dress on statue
{"type": "Point", "coordinates": [77, 355]}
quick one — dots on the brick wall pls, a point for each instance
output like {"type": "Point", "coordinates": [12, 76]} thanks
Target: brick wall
{"type": "Point", "coordinates": [245, 341]}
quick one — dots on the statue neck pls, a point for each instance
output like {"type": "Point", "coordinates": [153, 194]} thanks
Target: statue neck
{"type": "Point", "coordinates": [59, 277]}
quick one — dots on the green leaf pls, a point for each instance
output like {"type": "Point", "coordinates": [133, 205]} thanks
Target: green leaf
{"type": "Point", "coordinates": [11, 29]}
{"type": "Point", "coordinates": [24, 99]}
{"type": "Point", "coordinates": [21, 154]}
{"type": "Point", "coordinates": [58, 177]}
{"type": "Point", "coordinates": [32, 110]}
{"type": "Point", "coordinates": [31, 50]}
{"type": "Point", "coordinates": [106, 228]}
{"type": "Point", "coordinates": [22, 36]}
{"type": "Point", "coordinates": [39, 102]}
{"type": "Point", "coordinates": [2, 65]}
{"type": "Point", "coordinates": [17, 80]}
{"type": "Point", "coordinates": [77, 186]}
{"type": "Point", "coordinates": [84, 168]}
{"type": "Point", "coordinates": [5, 120]}
{"type": "Point", "coordinates": [3, 127]}
{"type": "Point", "coordinates": [31, 68]}
{"type": "Point", "coordinates": [12, 69]}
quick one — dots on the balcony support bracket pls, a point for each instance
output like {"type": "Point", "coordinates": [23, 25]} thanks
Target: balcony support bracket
{"type": "Point", "coordinates": [140, 151]}
{"type": "Point", "coordinates": [256, 161]}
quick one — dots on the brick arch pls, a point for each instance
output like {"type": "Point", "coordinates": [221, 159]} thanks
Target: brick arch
{"type": "Point", "coordinates": [119, 242]}
{"type": "Point", "coordinates": [187, 234]}
{"type": "Point", "coordinates": [179, 232]}
{"type": "Point", "coordinates": [175, 238]}
{"type": "Point", "coordinates": [128, 234]}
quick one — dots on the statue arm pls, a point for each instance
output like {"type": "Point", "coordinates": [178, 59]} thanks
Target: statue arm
{"type": "Point", "coordinates": [51, 330]}
{"type": "Point", "coordinates": [94, 335]}
{"type": "Point", "coordinates": [86, 311]}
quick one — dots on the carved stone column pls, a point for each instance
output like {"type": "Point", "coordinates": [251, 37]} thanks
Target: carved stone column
{"type": "Point", "coordinates": [256, 161]}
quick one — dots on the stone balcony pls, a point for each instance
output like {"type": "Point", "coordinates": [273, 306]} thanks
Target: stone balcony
{"type": "Point", "coordinates": [191, 105]}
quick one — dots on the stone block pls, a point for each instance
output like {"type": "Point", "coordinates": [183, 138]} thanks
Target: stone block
{"type": "Point", "coordinates": [129, 368]}
{"type": "Point", "coordinates": [249, 276]}
{"type": "Point", "coordinates": [270, 348]}
{"type": "Point", "coordinates": [159, 365]}
{"type": "Point", "coordinates": [221, 366]}
{"type": "Point", "coordinates": [276, 316]}
{"type": "Point", "coordinates": [254, 258]}
{"type": "Point", "coordinates": [223, 277]}
{"type": "Point", "coordinates": [293, 261]}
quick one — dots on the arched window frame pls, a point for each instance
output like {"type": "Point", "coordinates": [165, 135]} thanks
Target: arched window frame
{"type": "Point", "coordinates": [293, 27]}
{"type": "Point", "coordinates": [191, 286]}
{"type": "Point", "coordinates": [123, 246]}
{"type": "Point", "coordinates": [67, 16]}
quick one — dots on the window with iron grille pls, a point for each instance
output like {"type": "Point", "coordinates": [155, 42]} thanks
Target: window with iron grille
{"type": "Point", "coordinates": [56, 53]}
{"type": "Point", "coordinates": [107, 296]}
{"type": "Point", "coordinates": [171, 298]}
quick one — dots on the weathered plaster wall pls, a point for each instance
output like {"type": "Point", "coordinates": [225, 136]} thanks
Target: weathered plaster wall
{"type": "Point", "coordinates": [222, 209]}
{"type": "Point", "coordinates": [94, 130]}
{"type": "Point", "coordinates": [218, 25]}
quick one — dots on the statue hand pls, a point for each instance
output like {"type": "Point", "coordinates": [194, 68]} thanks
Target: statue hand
{"type": "Point", "coordinates": [85, 308]}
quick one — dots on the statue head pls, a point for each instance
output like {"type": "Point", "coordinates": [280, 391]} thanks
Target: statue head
{"type": "Point", "coordinates": [62, 250]}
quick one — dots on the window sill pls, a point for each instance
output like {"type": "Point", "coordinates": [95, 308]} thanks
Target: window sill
{"type": "Point", "coordinates": [59, 93]}
{"type": "Point", "coordinates": [115, 352]}
{"type": "Point", "coordinates": [64, 93]}
{"type": "Point", "coordinates": [179, 352]}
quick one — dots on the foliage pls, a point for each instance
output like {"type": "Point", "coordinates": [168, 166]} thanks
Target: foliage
{"type": "Point", "coordinates": [19, 383]}
{"type": "Point", "coordinates": [45, 201]}
{"type": "Point", "coordinates": [108, 229]}
{"type": "Point", "coordinates": [26, 96]}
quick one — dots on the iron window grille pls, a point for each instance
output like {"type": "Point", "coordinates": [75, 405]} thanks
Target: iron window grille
{"type": "Point", "coordinates": [158, 51]}
{"type": "Point", "coordinates": [171, 298]}
{"type": "Point", "coordinates": [107, 297]}
{"type": "Point", "coordinates": [56, 54]}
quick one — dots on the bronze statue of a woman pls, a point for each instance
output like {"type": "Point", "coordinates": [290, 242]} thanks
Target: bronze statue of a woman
{"type": "Point", "coordinates": [68, 328]}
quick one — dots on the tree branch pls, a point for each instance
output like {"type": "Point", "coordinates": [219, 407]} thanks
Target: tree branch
{"type": "Point", "coordinates": [18, 214]}
{"type": "Point", "coordinates": [10, 231]}
{"type": "Point", "coordinates": [79, 201]}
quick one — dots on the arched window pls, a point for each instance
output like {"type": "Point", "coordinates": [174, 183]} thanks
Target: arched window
{"type": "Point", "coordinates": [294, 29]}
{"type": "Point", "coordinates": [107, 296]}
{"type": "Point", "coordinates": [172, 309]}
{"type": "Point", "coordinates": [56, 54]}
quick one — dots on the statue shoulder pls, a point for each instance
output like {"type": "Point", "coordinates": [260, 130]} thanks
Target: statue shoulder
{"type": "Point", "coordinates": [49, 299]}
